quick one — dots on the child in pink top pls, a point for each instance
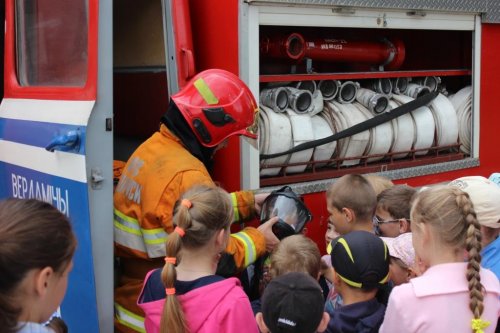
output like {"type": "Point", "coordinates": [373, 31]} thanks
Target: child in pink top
{"type": "Point", "coordinates": [186, 295]}
{"type": "Point", "coordinates": [453, 295]}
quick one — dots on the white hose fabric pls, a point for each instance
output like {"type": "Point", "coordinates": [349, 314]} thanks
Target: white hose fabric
{"type": "Point", "coordinates": [302, 131]}
{"type": "Point", "coordinates": [446, 121]}
{"type": "Point", "coordinates": [404, 133]}
{"type": "Point", "coordinates": [462, 102]}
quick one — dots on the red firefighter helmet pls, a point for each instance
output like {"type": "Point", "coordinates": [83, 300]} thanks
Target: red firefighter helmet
{"type": "Point", "coordinates": [217, 104]}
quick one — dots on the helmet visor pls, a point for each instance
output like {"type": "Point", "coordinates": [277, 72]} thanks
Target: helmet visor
{"type": "Point", "coordinates": [289, 210]}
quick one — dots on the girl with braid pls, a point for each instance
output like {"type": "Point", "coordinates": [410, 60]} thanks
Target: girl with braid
{"type": "Point", "coordinates": [186, 295]}
{"type": "Point", "coordinates": [454, 294]}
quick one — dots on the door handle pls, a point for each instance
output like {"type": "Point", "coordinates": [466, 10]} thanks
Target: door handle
{"type": "Point", "coordinates": [69, 141]}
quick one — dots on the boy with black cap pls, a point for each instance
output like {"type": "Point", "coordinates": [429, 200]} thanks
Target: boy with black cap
{"type": "Point", "coordinates": [361, 265]}
{"type": "Point", "coordinates": [292, 303]}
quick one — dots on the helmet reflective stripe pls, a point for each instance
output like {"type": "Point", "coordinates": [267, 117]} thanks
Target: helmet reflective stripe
{"type": "Point", "coordinates": [250, 251]}
{"type": "Point", "coordinates": [205, 91]}
{"type": "Point", "coordinates": [128, 233]}
{"type": "Point", "coordinates": [129, 319]}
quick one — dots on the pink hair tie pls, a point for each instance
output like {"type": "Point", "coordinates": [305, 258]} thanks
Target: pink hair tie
{"type": "Point", "coordinates": [171, 260]}
{"type": "Point", "coordinates": [170, 291]}
{"type": "Point", "coordinates": [186, 203]}
{"type": "Point", "coordinates": [180, 231]}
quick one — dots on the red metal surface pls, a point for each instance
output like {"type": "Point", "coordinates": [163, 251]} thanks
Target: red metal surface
{"type": "Point", "coordinates": [363, 75]}
{"type": "Point", "coordinates": [183, 40]}
{"type": "Point", "coordinates": [14, 90]}
{"type": "Point", "coordinates": [215, 39]}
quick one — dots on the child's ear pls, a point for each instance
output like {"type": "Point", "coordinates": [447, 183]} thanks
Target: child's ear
{"type": "Point", "coordinates": [323, 324]}
{"type": "Point", "coordinates": [349, 214]}
{"type": "Point", "coordinates": [221, 238]}
{"type": "Point", "coordinates": [42, 279]}
{"type": "Point", "coordinates": [260, 322]}
{"type": "Point", "coordinates": [404, 226]}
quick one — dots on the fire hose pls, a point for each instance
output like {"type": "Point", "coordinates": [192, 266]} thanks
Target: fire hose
{"type": "Point", "coordinates": [360, 127]}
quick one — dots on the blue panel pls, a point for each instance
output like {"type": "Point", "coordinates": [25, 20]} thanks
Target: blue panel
{"type": "Point", "coordinates": [37, 133]}
{"type": "Point", "coordinates": [79, 308]}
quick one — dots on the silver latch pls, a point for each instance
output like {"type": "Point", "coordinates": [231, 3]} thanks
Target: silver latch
{"type": "Point", "coordinates": [96, 178]}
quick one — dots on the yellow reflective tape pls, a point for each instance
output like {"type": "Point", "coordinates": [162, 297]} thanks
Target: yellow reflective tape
{"type": "Point", "coordinates": [234, 201]}
{"type": "Point", "coordinates": [205, 92]}
{"type": "Point", "coordinates": [346, 247]}
{"type": "Point", "coordinates": [153, 231]}
{"type": "Point", "coordinates": [250, 251]}
{"type": "Point", "coordinates": [129, 319]}
{"type": "Point", "coordinates": [329, 248]}
{"type": "Point", "coordinates": [124, 217]}
{"type": "Point", "coordinates": [349, 282]}
{"type": "Point", "coordinates": [155, 241]}
{"type": "Point", "coordinates": [126, 229]}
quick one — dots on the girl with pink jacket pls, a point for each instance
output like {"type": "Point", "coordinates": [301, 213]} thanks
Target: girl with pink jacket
{"type": "Point", "coordinates": [186, 295]}
{"type": "Point", "coordinates": [454, 294]}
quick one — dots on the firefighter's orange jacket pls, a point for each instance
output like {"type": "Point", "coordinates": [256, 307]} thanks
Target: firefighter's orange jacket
{"type": "Point", "coordinates": [155, 176]}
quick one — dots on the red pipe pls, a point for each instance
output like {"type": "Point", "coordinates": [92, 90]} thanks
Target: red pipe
{"type": "Point", "coordinates": [389, 54]}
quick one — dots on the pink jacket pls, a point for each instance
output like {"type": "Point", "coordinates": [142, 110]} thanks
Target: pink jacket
{"type": "Point", "coordinates": [217, 307]}
{"type": "Point", "coordinates": [438, 301]}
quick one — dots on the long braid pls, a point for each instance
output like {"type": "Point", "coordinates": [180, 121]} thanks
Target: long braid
{"type": "Point", "coordinates": [473, 247]}
{"type": "Point", "coordinates": [173, 319]}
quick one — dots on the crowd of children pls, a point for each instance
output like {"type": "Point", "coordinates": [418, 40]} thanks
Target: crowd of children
{"type": "Point", "coordinates": [399, 260]}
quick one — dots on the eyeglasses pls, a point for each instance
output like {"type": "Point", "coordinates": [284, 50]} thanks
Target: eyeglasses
{"type": "Point", "coordinates": [377, 220]}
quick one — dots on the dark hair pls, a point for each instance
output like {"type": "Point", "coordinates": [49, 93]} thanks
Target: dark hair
{"type": "Point", "coordinates": [451, 212]}
{"type": "Point", "coordinates": [355, 192]}
{"type": "Point", "coordinates": [397, 201]}
{"type": "Point", "coordinates": [209, 210]}
{"type": "Point", "coordinates": [33, 234]}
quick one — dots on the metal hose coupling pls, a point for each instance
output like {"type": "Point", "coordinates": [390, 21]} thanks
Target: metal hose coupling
{"type": "Point", "coordinates": [432, 82]}
{"type": "Point", "coordinates": [400, 85]}
{"type": "Point", "coordinates": [347, 92]}
{"type": "Point", "coordinates": [299, 100]}
{"type": "Point", "coordinates": [382, 86]}
{"type": "Point", "coordinates": [274, 98]}
{"type": "Point", "coordinates": [415, 90]}
{"type": "Point", "coordinates": [373, 101]}
{"type": "Point", "coordinates": [329, 89]}
{"type": "Point", "coordinates": [306, 85]}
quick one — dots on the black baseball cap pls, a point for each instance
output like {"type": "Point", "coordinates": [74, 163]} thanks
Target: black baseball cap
{"type": "Point", "coordinates": [293, 303]}
{"type": "Point", "coordinates": [361, 259]}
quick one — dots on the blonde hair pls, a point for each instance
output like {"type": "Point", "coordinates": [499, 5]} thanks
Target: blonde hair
{"type": "Point", "coordinates": [354, 192]}
{"type": "Point", "coordinates": [209, 210]}
{"type": "Point", "coordinates": [296, 253]}
{"type": "Point", "coordinates": [379, 183]}
{"type": "Point", "coordinates": [450, 212]}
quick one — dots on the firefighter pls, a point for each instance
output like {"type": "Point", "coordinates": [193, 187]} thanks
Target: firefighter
{"type": "Point", "coordinates": [213, 106]}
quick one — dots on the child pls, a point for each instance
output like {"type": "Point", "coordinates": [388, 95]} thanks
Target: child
{"type": "Point", "coordinates": [452, 295]}
{"type": "Point", "coordinates": [36, 250]}
{"type": "Point", "coordinates": [351, 202]}
{"type": "Point", "coordinates": [485, 196]}
{"type": "Point", "coordinates": [402, 264]}
{"type": "Point", "coordinates": [292, 303]}
{"type": "Point", "coordinates": [295, 253]}
{"type": "Point", "coordinates": [379, 183]}
{"type": "Point", "coordinates": [361, 265]}
{"type": "Point", "coordinates": [392, 216]}
{"type": "Point", "coordinates": [186, 295]}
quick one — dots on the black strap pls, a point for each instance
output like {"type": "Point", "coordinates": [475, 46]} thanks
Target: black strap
{"type": "Point", "coordinates": [363, 126]}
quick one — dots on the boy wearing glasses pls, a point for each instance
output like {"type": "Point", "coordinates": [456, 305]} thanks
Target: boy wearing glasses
{"type": "Point", "coordinates": [392, 216]}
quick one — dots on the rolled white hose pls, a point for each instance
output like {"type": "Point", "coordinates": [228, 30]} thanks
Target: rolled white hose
{"type": "Point", "coordinates": [462, 102]}
{"type": "Point", "coordinates": [424, 125]}
{"type": "Point", "coordinates": [275, 135]}
{"type": "Point", "coordinates": [375, 102]}
{"type": "Point", "coordinates": [321, 130]}
{"type": "Point", "coordinates": [274, 98]}
{"type": "Point", "coordinates": [381, 137]}
{"type": "Point", "coordinates": [347, 92]}
{"type": "Point", "coordinates": [317, 103]}
{"type": "Point", "coordinates": [302, 131]}
{"type": "Point", "coordinates": [404, 133]}
{"type": "Point", "coordinates": [358, 142]}
{"type": "Point", "coordinates": [445, 117]}
{"type": "Point", "coordinates": [299, 100]}
{"type": "Point", "coordinates": [329, 89]}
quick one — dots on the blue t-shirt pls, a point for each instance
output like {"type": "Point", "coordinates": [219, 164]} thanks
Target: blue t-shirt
{"type": "Point", "coordinates": [491, 257]}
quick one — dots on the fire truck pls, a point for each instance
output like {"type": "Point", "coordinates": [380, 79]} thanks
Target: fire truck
{"type": "Point", "coordinates": [85, 81]}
